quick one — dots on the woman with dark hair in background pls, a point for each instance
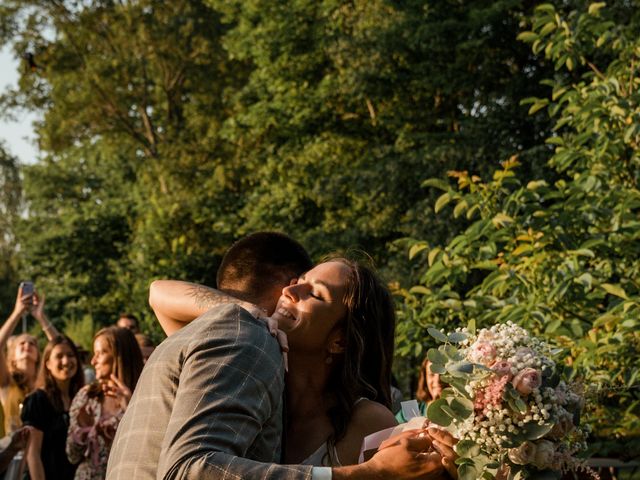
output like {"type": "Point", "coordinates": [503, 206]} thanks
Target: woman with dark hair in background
{"type": "Point", "coordinates": [97, 408]}
{"type": "Point", "coordinates": [47, 410]}
{"type": "Point", "coordinates": [340, 321]}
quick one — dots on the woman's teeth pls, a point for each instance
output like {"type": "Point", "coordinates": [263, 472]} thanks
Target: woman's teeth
{"type": "Point", "coordinates": [285, 313]}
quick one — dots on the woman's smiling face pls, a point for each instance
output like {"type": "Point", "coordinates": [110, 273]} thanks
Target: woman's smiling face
{"type": "Point", "coordinates": [62, 362]}
{"type": "Point", "coordinates": [103, 359]}
{"type": "Point", "coordinates": [310, 308]}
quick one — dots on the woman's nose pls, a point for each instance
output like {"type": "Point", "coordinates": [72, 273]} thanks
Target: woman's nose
{"type": "Point", "coordinates": [93, 360]}
{"type": "Point", "coordinates": [291, 292]}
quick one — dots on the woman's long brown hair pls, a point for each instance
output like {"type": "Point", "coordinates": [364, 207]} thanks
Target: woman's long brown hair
{"type": "Point", "coordinates": [46, 381]}
{"type": "Point", "coordinates": [364, 369]}
{"type": "Point", "coordinates": [127, 358]}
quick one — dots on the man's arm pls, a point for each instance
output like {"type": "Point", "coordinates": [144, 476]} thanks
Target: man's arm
{"type": "Point", "coordinates": [177, 303]}
{"type": "Point", "coordinates": [402, 457]}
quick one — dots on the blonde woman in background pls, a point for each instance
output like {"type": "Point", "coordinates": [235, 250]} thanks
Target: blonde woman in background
{"type": "Point", "coordinates": [19, 365]}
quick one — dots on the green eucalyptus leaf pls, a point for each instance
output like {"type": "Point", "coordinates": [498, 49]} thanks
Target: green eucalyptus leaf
{"type": "Point", "coordinates": [533, 431]}
{"type": "Point", "coordinates": [437, 415]}
{"type": "Point", "coordinates": [436, 357]}
{"type": "Point", "coordinates": [462, 406]}
{"type": "Point", "coordinates": [437, 334]}
{"type": "Point", "coordinates": [457, 337]}
{"type": "Point", "coordinates": [467, 448]}
{"type": "Point", "coordinates": [467, 471]}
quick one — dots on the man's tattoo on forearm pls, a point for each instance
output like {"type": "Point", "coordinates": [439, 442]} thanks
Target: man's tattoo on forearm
{"type": "Point", "coordinates": [206, 297]}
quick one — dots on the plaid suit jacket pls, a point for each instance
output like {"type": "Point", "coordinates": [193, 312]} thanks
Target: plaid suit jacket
{"type": "Point", "coordinates": [208, 405]}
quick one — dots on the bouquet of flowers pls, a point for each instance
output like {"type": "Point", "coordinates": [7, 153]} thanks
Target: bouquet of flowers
{"type": "Point", "coordinates": [507, 403]}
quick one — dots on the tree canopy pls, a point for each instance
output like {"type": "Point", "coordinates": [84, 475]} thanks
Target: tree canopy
{"type": "Point", "coordinates": [170, 129]}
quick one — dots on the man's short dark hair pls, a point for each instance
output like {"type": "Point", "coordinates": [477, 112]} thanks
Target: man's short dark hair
{"type": "Point", "coordinates": [130, 316]}
{"type": "Point", "coordinates": [261, 259]}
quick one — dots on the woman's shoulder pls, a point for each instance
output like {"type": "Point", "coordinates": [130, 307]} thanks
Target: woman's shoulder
{"type": "Point", "coordinates": [37, 397]}
{"type": "Point", "coordinates": [369, 416]}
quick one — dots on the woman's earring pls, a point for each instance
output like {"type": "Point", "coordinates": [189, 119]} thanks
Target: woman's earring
{"type": "Point", "coordinates": [328, 360]}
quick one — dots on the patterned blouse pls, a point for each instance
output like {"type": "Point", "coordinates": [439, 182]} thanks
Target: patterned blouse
{"type": "Point", "coordinates": [90, 446]}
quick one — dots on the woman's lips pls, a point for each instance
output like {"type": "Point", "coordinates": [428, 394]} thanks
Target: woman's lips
{"type": "Point", "coordinates": [287, 319]}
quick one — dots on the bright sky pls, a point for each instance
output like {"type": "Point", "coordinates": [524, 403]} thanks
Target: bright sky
{"type": "Point", "coordinates": [18, 136]}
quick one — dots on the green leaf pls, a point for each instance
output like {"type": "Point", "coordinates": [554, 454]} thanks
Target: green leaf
{"type": "Point", "coordinates": [436, 414]}
{"type": "Point", "coordinates": [456, 337]}
{"type": "Point", "coordinates": [616, 290]}
{"type": "Point", "coordinates": [432, 255]}
{"type": "Point", "coordinates": [417, 248]}
{"type": "Point", "coordinates": [467, 472]}
{"type": "Point", "coordinates": [522, 248]}
{"type": "Point", "coordinates": [436, 183]}
{"type": "Point", "coordinates": [527, 37]}
{"type": "Point", "coordinates": [452, 413]}
{"type": "Point", "coordinates": [533, 431]}
{"type": "Point", "coordinates": [459, 208]}
{"type": "Point", "coordinates": [462, 406]}
{"type": "Point", "coordinates": [460, 369]}
{"type": "Point", "coordinates": [467, 448]}
{"type": "Point", "coordinates": [419, 289]}
{"type": "Point", "coordinates": [520, 405]}
{"type": "Point", "coordinates": [501, 220]}
{"type": "Point", "coordinates": [594, 8]}
{"type": "Point", "coordinates": [436, 356]}
{"type": "Point", "coordinates": [437, 334]}
{"type": "Point", "coordinates": [442, 201]}
{"type": "Point", "coordinates": [471, 326]}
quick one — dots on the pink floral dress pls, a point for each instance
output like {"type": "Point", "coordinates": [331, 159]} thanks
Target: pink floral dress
{"type": "Point", "coordinates": [89, 446]}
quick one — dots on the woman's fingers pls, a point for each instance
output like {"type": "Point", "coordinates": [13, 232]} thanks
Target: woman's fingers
{"type": "Point", "coordinates": [272, 325]}
{"type": "Point", "coordinates": [284, 346]}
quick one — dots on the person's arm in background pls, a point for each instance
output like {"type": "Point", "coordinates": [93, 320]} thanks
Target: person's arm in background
{"type": "Point", "coordinates": [22, 306]}
{"type": "Point", "coordinates": [34, 459]}
{"type": "Point", "coordinates": [176, 303]}
{"type": "Point", "coordinates": [38, 312]}
{"type": "Point", "coordinates": [19, 440]}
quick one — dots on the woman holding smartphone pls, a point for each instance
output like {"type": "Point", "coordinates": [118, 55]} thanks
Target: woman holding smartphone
{"type": "Point", "coordinates": [18, 367]}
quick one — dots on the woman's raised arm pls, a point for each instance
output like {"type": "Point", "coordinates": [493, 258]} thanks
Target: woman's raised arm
{"type": "Point", "coordinates": [22, 306]}
{"type": "Point", "coordinates": [177, 303]}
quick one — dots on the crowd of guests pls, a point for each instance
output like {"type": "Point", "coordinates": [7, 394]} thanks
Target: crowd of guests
{"type": "Point", "coordinates": [62, 414]}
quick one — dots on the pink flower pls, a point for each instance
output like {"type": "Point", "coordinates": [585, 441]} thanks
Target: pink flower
{"type": "Point", "coordinates": [491, 394]}
{"type": "Point", "coordinates": [527, 380]}
{"type": "Point", "coordinates": [482, 352]}
{"type": "Point", "coordinates": [524, 454]}
{"type": "Point", "coordinates": [545, 451]}
{"type": "Point", "coordinates": [502, 369]}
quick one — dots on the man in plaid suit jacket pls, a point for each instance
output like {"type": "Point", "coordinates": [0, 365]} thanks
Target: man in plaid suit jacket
{"type": "Point", "coordinates": [208, 404]}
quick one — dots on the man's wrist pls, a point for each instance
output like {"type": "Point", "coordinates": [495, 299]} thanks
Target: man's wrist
{"type": "Point", "coordinates": [353, 472]}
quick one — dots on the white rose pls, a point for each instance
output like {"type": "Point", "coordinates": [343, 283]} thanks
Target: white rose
{"type": "Point", "coordinates": [524, 454]}
{"type": "Point", "coordinates": [544, 454]}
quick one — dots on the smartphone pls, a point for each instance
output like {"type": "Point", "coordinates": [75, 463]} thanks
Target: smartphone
{"type": "Point", "coordinates": [27, 288]}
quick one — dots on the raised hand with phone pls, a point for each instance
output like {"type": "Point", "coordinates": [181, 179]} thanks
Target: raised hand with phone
{"type": "Point", "coordinates": [19, 368]}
